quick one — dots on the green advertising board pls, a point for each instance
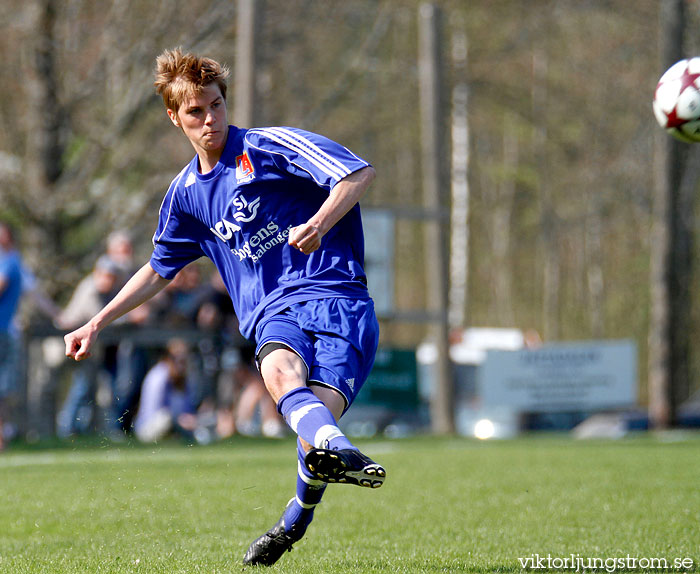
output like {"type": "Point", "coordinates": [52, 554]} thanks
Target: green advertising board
{"type": "Point", "coordinates": [393, 382]}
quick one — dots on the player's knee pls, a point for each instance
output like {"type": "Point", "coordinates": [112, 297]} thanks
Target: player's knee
{"type": "Point", "coordinates": [280, 382]}
{"type": "Point", "coordinates": [282, 372]}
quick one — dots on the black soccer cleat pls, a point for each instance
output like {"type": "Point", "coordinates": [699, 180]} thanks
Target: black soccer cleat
{"type": "Point", "coordinates": [269, 548]}
{"type": "Point", "coordinates": [347, 466]}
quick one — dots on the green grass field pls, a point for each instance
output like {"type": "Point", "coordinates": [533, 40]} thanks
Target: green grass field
{"type": "Point", "coordinates": [449, 505]}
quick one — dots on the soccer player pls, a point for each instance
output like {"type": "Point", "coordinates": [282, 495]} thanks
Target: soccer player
{"type": "Point", "coordinates": [276, 210]}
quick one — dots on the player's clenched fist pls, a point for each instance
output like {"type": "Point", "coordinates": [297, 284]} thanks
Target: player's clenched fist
{"type": "Point", "coordinates": [306, 238]}
{"type": "Point", "coordinates": [79, 342]}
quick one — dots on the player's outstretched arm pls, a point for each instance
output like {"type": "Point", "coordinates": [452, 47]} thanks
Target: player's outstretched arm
{"type": "Point", "coordinates": [346, 193]}
{"type": "Point", "coordinates": [140, 288]}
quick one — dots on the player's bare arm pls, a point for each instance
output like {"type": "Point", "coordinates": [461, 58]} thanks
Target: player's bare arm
{"type": "Point", "coordinates": [140, 288]}
{"type": "Point", "coordinates": [346, 193]}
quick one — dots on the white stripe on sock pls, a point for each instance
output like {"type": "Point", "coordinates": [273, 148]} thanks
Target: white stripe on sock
{"type": "Point", "coordinates": [300, 413]}
{"type": "Point", "coordinates": [303, 504]}
{"type": "Point", "coordinates": [310, 481]}
{"type": "Point", "coordinates": [324, 434]}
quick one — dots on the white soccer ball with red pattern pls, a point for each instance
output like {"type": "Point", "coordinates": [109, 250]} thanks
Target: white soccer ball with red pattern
{"type": "Point", "coordinates": [677, 100]}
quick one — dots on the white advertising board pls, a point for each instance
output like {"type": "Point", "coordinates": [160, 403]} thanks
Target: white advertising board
{"type": "Point", "coordinates": [561, 378]}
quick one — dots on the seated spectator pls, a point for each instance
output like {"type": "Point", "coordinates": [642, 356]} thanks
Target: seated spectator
{"type": "Point", "coordinates": [168, 397]}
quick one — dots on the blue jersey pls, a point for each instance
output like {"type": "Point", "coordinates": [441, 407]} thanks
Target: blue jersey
{"type": "Point", "coordinates": [267, 181]}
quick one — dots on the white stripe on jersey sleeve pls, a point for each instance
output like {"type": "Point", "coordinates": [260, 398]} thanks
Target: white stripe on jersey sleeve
{"type": "Point", "coordinates": [318, 159]}
{"type": "Point", "coordinates": [303, 141]}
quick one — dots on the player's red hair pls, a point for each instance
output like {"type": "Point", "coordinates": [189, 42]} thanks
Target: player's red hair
{"type": "Point", "coordinates": [180, 76]}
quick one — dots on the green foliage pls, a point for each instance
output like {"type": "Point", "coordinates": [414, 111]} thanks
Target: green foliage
{"type": "Point", "coordinates": [451, 505]}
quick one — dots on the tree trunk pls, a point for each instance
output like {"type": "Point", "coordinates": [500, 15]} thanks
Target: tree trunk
{"type": "Point", "coordinates": [442, 404]}
{"type": "Point", "coordinates": [669, 345]}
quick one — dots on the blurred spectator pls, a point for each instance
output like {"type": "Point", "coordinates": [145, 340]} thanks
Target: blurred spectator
{"type": "Point", "coordinates": [10, 293]}
{"type": "Point", "coordinates": [232, 393]}
{"type": "Point", "coordinates": [177, 305]}
{"type": "Point", "coordinates": [121, 251]}
{"type": "Point", "coordinates": [175, 308]}
{"type": "Point", "coordinates": [15, 281]}
{"type": "Point", "coordinates": [132, 360]}
{"type": "Point", "coordinates": [254, 401]}
{"type": "Point", "coordinates": [168, 397]}
{"type": "Point", "coordinates": [91, 294]}
{"type": "Point", "coordinates": [243, 403]}
{"type": "Point", "coordinates": [125, 364]}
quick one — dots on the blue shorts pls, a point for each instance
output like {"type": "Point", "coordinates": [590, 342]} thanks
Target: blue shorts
{"type": "Point", "coordinates": [336, 338]}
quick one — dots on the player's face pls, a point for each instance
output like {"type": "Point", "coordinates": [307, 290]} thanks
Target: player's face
{"type": "Point", "coordinates": [203, 120]}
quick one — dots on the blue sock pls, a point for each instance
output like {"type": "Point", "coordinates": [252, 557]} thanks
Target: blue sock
{"type": "Point", "coordinates": [310, 419]}
{"type": "Point", "coordinates": [300, 511]}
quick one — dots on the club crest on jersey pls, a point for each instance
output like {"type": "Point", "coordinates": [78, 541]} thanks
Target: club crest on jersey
{"type": "Point", "coordinates": [244, 168]}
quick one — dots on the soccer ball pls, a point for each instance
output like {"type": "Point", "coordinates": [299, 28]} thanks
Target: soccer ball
{"type": "Point", "coordinates": [677, 100]}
